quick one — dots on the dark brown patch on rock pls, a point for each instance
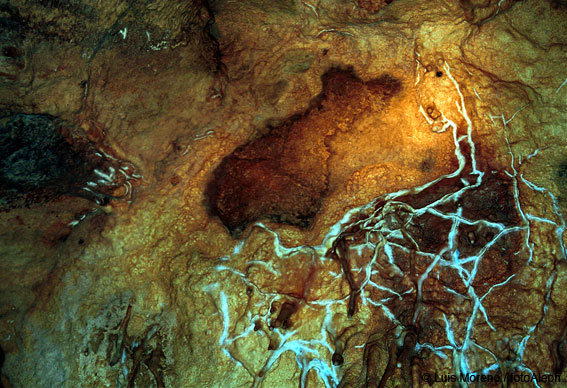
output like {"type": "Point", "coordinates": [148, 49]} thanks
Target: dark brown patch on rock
{"type": "Point", "coordinates": [283, 319]}
{"type": "Point", "coordinates": [283, 176]}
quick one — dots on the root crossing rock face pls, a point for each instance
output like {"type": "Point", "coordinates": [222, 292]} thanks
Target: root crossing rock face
{"type": "Point", "coordinates": [283, 176]}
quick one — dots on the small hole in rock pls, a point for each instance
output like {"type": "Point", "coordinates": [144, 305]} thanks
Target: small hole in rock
{"type": "Point", "coordinates": [175, 180]}
{"type": "Point", "coordinates": [337, 359]}
{"type": "Point", "coordinates": [10, 51]}
{"type": "Point", "coordinates": [439, 74]}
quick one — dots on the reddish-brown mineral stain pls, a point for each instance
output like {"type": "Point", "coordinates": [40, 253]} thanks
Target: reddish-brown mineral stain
{"type": "Point", "coordinates": [283, 176]}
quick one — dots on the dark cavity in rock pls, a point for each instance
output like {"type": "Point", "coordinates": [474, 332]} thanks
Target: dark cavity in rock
{"type": "Point", "coordinates": [44, 157]}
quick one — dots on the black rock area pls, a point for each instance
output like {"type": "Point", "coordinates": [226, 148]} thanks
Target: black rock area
{"type": "Point", "coordinates": [34, 154]}
{"type": "Point", "coordinates": [38, 163]}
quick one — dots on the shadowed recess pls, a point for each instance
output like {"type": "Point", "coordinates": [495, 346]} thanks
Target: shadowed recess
{"type": "Point", "coordinates": [45, 158]}
{"type": "Point", "coordinates": [283, 176]}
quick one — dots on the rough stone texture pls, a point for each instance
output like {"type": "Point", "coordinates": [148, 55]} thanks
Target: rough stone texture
{"type": "Point", "coordinates": [284, 175]}
{"type": "Point", "coordinates": [435, 235]}
{"type": "Point", "coordinates": [88, 20]}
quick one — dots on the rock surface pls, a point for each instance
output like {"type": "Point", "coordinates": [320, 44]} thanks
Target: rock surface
{"type": "Point", "coordinates": [282, 193]}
